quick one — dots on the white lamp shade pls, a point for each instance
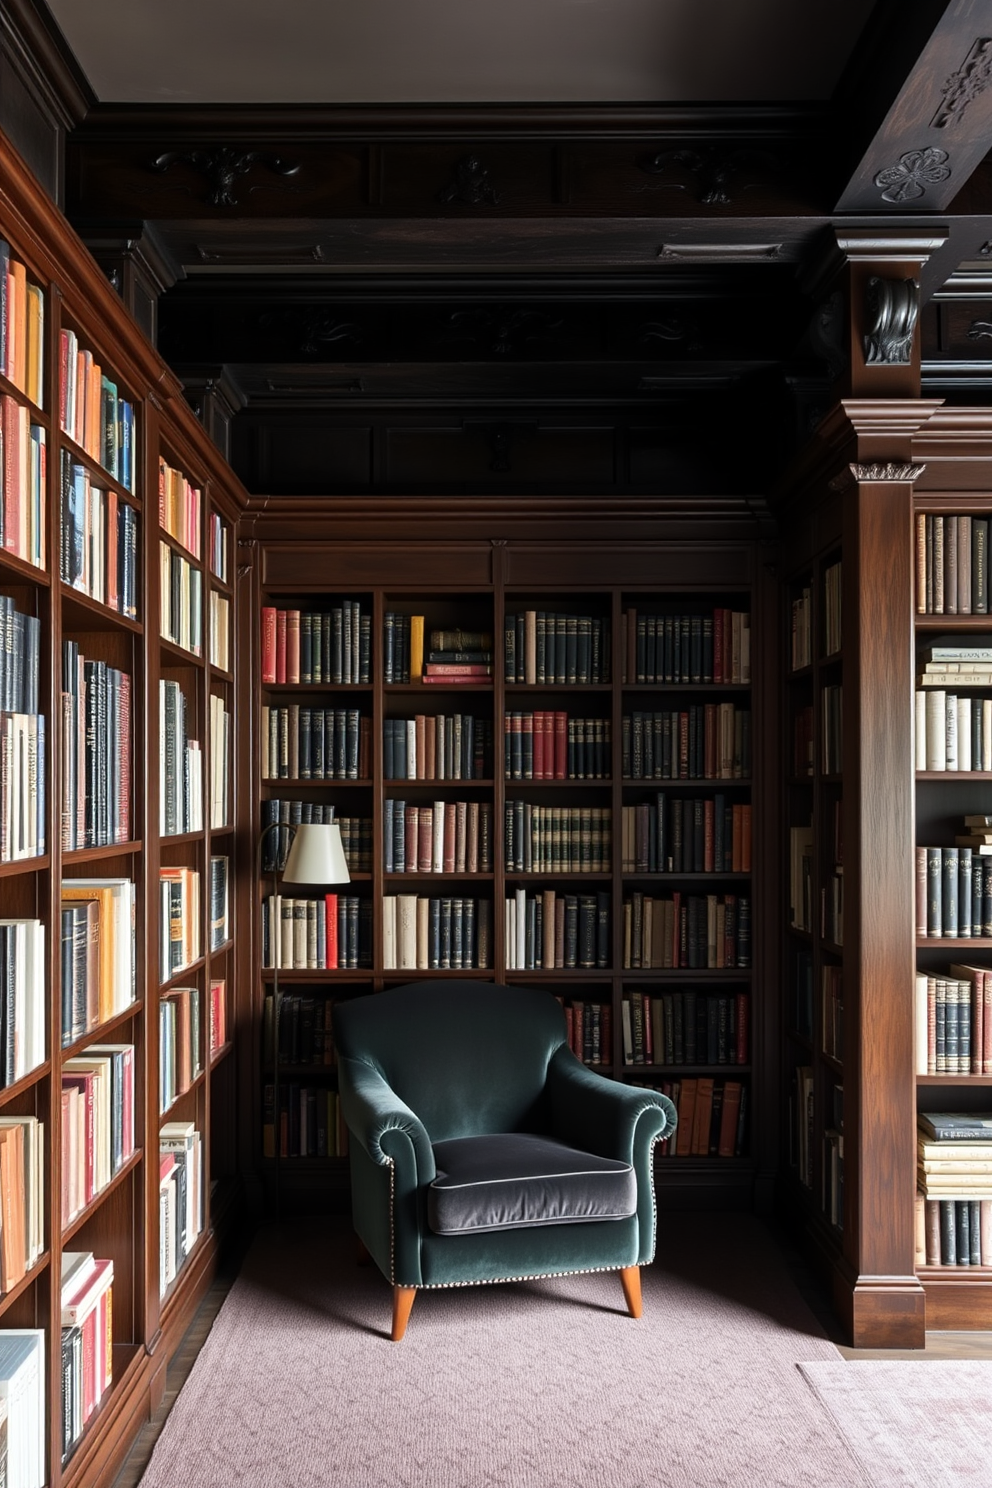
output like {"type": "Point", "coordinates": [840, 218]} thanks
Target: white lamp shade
{"type": "Point", "coordinates": [316, 856]}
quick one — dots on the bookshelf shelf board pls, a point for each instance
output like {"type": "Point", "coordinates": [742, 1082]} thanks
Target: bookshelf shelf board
{"type": "Point", "coordinates": [945, 1080]}
{"type": "Point", "coordinates": [953, 1273]}
{"type": "Point", "coordinates": [404, 973]}
{"type": "Point", "coordinates": [686, 974]}
{"type": "Point", "coordinates": [126, 1356]}
{"type": "Point", "coordinates": [424, 689]}
{"type": "Point", "coordinates": [174, 1288]}
{"type": "Point", "coordinates": [12, 391]}
{"type": "Point", "coordinates": [395, 783]}
{"type": "Point", "coordinates": [183, 972]}
{"type": "Point", "coordinates": [800, 933]}
{"type": "Point", "coordinates": [220, 584]}
{"type": "Point", "coordinates": [830, 779]}
{"type": "Point", "coordinates": [559, 974]}
{"type": "Point", "coordinates": [94, 854]}
{"type": "Point", "coordinates": [83, 1217]}
{"type": "Point", "coordinates": [174, 542]}
{"type": "Point", "coordinates": [180, 1095]}
{"type": "Point", "coordinates": [954, 943]}
{"type": "Point", "coordinates": [82, 612]}
{"type": "Point", "coordinates": [731, 1071]}
{"type": "Point", "coordinates": [954, 774]}
{"type": "Point", "coordinates": [832, 947]}
{"type": "Point", "coordinates": [322, 974]}
{"type": "Point", "coordinates": [220, 831]}
{"type": "Point", "coordinates": [834, 659]}
{"type": "Point", "coordinates": [329, 781]}
{"type": "Point", "coordinates": [832, 1062]}
{"type": "Point", "coordinates": [309, 892]}
{"type": "Point", "coordinates": [8, 1092]}
{"type": "Point", "coordinates": [954, 622]}
{"type": "Point", "coordinates": [101, 1032]}
{"type": "Point", "coordinates": [219, 674]}
{"type": "Point", "coordinates": [671, 1161]}
{"type": "Point", "coordinates": [557, 689]}
{"type": "Point", "coordinates": [7, 1299]}
{"type": "Point", "coordinates": [187, 658]}
{"type": "Point", "coordinates": [18, 866]}
{"type": "Point", "coordinates": [801, 674]}
{"type": "Point", "coordinates": [310, 688]}
{"type": "Point", "coordinates": [399, 878]}
{"type": "Point", "coordinates": [800, 780]}
{"type": "Point", "coordinates": [803, 1039]}
{"type": "Point", "coordinates": [99, 476]}
{"type": "Point", "coordinates": [571, 782]}
{"type": "Point", "coordinates": [636, 873]}
{"type": "Point", "coordinates": [685, 782]}
{"type": "Point", "coordinates": [559, 875]}
{"type": "Point", "coordinates": [181, 838]}
{"type": "Point", "coordinates": [292, 1070]}
{"type": "Point", "coordinates": [219, 1055]}
{"type": "Point", "coordinates": [13, 567]}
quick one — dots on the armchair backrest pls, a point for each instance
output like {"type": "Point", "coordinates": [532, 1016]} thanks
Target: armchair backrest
{"type": "Point", "coordinates": [467, 1057]}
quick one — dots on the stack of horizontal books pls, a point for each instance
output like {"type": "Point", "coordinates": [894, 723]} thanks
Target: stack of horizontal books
{"type": "Point", "coordinates": [954, 1179]}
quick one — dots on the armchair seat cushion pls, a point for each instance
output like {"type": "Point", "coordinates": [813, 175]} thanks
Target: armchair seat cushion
{"type": "Point", "coordinates": [516, 1180]}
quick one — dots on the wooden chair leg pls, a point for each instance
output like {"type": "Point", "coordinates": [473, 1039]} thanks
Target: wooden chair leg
{"type": "Point", "coordinates": [630, 1278]}
{"type": "Point", "coordinates": [362, 1255]}
{"type": "Point", "coordinates": [402, 1303]}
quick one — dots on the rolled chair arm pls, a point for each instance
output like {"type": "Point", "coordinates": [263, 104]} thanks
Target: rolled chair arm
{"type": "Point", "coordinates": [384, 1125]}
{"type": "Point", "coordinates": [605, 1116]}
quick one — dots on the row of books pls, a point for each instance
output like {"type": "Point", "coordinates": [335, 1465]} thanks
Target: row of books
{"type": "Point", "coordinates": [560, 839]}
{"type": "Point", "coordinates": [954, 1021]}
{"type": "Point", "coordinates": [956, 664]}
{"type": "Point", "coordinates": [180, 507]}
{"type": "Point", "coordinates": [179, 1061]}
{"type": "Point", "coordinates": [694, 931]}
{"type": "Point", "coordinates": [546, 745]}
{"type": "Point", "coordinates": [310, 1121]}
{"type": "Point", "coordinates": [673, 649]}
{"type": "Point", "coordinates": [180, 764]}
{"type": "Point", "coordinates": [549, 930]}
{"type": "Point", "coordinates": [23, 464]}
{"type": "Point", "coordinates": [92, 411]}
{"type": "Point", "coordinates": [306, 1030]}
{"type": "Point", "coordinates": [708, 741]}
{"type": "Point", "coordinates": [953, 893]}
{"type": "Point", "coordinates": [98, 960]}
{"type": "Point", "coordinates": [99, 541]}
{"type": "Point", "coordinates": [356, 833]}
{"type": "Point", "coordinates": [951, 564]}
{"type": "Point", "coordinates": [452, 654]}
{"type": "Point", "coordinates": [801, 909]}
{"type": "Point", "coordinates": [22, 1407]}
{"type": "Point", "coordinates": [87, 1339]}
{"type": "Point", "coordinates": [218, 538]}
{"type": "Point", "coordinates": [219, 901]}
{"type": "Point", "coordinates": [179, 940]}
{"type": "Point", "coordinates": [953, 732]}
{"type": "Point", "coordinates": [549, 649]}
{"type": "Point", "coordinates": [329, 934]}
{"type": "Point", "coordinates": [22, 327]}
{"type": "Point", "coordinates": [685, 834]}
{"type": "Point", "coordinates": [445, 837]}
{"type": "Point", "coordinates": [180, 600]}
{"type": "Point", "coordinates": [453, 746]}
{"type": "Point", "coordinates": [219, 783]}
{"type": "Point", "coordinates": [441, 933]}
{"type": "Point", "coordinates": [687, 1027]}
{"type": "Point", "coordinates": [953, 1232]}
{"type": "Point", "coordinates": [180, 1197]}
{"type": "Point", "coordinates": [24, 981]}
{"type": "Point", "coordinates": [20, 636]}
{"type": "Point", "coordinates": [219, 631]}
{"type": "Point", "coordinates": [96, 752]}
{"type": "Point", "coordinates": [22, 1197]}
{"type": "Point", "coordinates": [98, 1132]}
{"type": "Point", "coordinates": [23, 754]}
{"type": "Point", "coordinates": [589, 1026]}
{"type": "Point", "coordinates": [311, 648]}
{"type": "Point", "coordinates": [801, 633]}
{"type": "Point", "coordinates": [315, 743]}
{"type": "Point", "coordinates": [713, 1117]}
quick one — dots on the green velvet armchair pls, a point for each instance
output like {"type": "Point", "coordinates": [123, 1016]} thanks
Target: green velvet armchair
{"type": "Point", "coordinates": [482, 1150]}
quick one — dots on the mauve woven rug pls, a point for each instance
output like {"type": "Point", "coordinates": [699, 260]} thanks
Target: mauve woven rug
{"type": "Point", "coordinates": [913, 1423]}
{"type": "Point", "coordinates": [545, 1384]}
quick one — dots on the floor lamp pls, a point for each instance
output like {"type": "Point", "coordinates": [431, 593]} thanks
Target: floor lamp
{"type": "Point", "coordinates": [315, 859]}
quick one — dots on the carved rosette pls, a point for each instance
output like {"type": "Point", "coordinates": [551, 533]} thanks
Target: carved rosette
{"type": "Point", "coordinates": [915, 171]}
{"type": "Point", "coordinates": [892, 309]}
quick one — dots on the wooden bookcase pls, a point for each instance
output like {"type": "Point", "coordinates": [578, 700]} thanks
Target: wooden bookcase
{"type": "Point", "coordinates": [553, 558]}
{"type": "Point", "coordinates": [122, 1221]}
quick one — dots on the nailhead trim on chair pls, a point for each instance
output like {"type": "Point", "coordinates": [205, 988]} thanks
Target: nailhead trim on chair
{"type": "Point", "coordinates": [437, 1286]}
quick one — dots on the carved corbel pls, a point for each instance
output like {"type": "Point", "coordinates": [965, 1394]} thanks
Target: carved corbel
{"type": "Point", "coordinates": [893, 307]}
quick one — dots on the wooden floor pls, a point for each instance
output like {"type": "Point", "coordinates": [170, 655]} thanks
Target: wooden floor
{"type": "Point", "coordinates": [938, 1346]}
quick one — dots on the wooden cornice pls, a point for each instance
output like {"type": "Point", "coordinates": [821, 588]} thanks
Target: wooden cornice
{"type": "Point", "coordinates": [45, 56]}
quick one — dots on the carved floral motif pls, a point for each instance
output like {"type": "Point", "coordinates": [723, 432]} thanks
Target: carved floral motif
{"type": "Point", "coordinates": [222, 167]}
{"type": "Point", "coordinates": [916, 170]}
{"type": "Point", "coordinates": [965, 85]}
{"type": "Point", "coordinates": [470, 184]}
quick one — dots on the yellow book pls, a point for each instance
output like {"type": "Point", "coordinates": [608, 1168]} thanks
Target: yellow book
{"type": "Point", "coordinates": [416, 646]}
{"type": "Point", "coordinates": [17, 314]}
{"type": "Point", "coordinates": [104, 895]}
{"type": "Point", "coordinates": [34, 384]}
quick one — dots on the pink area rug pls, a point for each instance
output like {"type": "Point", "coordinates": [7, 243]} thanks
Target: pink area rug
{"type": "Point", "coordinates": [547, 1384]}
{"type": "Point", "coordinates": [913, 1424]}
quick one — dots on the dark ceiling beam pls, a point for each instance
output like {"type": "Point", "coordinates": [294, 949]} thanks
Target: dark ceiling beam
{"type": "Point", "coordinates": [916, 106]}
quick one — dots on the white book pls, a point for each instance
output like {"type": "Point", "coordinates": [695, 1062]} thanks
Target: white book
{"type": "Point", "coordinates": [964, 733]}
{"type": "Point", "coordinates": [951, 731]}
{"type": "Point", "coordinates": [22, 1391]}
{"type": "Point", "coordinates": [389, 932]}
{"type": "Point", "coordinates": [920, 1024]}
{"type": "Point", "coordinates": [921, 736]}
{"type": "Point", "coordinates": [406, 931]}
{"type": "Point", "coordinates": [520, 907]}
{"type": "Point", "coordinates": [423, 933]}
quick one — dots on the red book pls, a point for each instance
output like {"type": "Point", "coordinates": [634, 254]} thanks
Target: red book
{"type": "Point", "coordinates": [728, 1118]}
{"type": "Point", "coordinates": [457, 669]}
{"type": "Point", "coordinates": [331, 931]}
{"type": "Point", "coordinates": [455, 681]}
{"type": "Point", "coordinates": [268, 643]}
{"type": "Point", "coordinates": [561, 746]}
{"type": "Point", "coordinates": [84, 1084]}
{"type": "Point", "coordinates": [425, 839]}
{"type": "Point", "coordinates": [280, 645]}
{"type": "Point", "coordinates": [539, 718]}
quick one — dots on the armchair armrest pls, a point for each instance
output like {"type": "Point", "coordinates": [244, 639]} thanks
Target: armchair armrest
{"type": "Point", "coordinates": [384, 1125]}
{"type": "Point", "coordinates": [605, 1116]}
